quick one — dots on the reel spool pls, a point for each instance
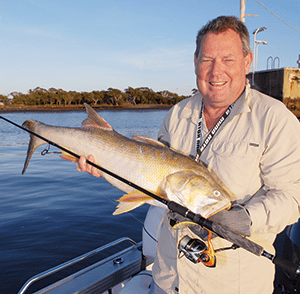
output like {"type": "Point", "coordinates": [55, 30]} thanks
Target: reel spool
{"type": "Point", "coordinates": [197, 251]}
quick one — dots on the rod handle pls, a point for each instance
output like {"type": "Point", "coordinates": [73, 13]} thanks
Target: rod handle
{"type": "Point", "coordinates": [218, 229]}
{"type": "Point", "coordinates": [290, 267]}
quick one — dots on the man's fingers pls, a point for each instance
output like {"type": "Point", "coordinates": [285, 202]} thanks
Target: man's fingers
{"type": "Point", "coordinates": [81, 165]}
{"type": "Point", "coordinates": [93, 170]}
{"type": "Point", "coordinates": [85, 167]}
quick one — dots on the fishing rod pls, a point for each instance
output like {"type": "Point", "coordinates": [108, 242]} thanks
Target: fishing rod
{"type": "Point", "coordinates": [221, 231]}
{"type": "Point", "coordinates": [89, 162]}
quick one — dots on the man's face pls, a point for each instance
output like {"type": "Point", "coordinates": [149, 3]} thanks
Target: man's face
{"type": "Point", "coordinates": [221, 68]}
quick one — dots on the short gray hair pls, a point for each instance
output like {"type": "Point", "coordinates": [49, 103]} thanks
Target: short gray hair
{"type": "Point", "coordinates": [221, 24]}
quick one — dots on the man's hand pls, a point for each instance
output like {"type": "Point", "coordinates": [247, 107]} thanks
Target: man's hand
{"type": "Point", "coordinates": [83, 166]}
{"type": "Point", "coordinates": [237, 219]}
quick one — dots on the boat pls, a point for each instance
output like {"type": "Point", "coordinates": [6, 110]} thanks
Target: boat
{"type": "Point", "coordinates": [126, 271]}
{"type": "Point", "coordinates": [129, 271]}
{"type": "Point", "coordinates": [287, 245]}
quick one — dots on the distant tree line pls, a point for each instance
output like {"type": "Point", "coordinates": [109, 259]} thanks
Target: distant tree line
{"type": "Point", "coordinates": [130, 96]}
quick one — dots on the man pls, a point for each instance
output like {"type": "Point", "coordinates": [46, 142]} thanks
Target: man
{"type": "Point", "coordinates": [255, 150]}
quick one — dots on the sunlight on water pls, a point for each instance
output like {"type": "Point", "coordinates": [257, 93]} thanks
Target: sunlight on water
{"type": "Point", "coordinates": [54, 213]}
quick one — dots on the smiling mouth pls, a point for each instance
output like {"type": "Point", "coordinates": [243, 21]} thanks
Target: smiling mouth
{"type": "Point", "coordinates": [218, 84]}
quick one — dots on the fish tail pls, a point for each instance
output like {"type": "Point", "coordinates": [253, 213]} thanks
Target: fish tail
{"type": "Point", "coordinates": [33, 143]}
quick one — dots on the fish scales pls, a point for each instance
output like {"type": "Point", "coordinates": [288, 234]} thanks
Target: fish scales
{"type": "Point", "coordinates": [142, 161]}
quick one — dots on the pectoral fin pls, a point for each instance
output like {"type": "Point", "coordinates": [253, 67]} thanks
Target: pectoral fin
{"type": "Point", "coordinates": [131, 201]}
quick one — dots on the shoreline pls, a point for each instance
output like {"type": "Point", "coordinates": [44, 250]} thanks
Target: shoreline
{"type": "Point", "coordinates": [47, 108]}
{"type": "Point", "coordinates": [41, 108]}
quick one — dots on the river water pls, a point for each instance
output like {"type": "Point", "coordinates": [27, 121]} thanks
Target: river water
{"type": "Point", "coordinates": [53, 213]}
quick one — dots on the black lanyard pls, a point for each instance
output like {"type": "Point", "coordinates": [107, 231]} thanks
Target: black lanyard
{"type": "Point", "coordinates": [212, 132]}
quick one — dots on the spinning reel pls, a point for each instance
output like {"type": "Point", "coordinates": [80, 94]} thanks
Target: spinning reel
{"type": "Point", "coordinates": [197, 251]}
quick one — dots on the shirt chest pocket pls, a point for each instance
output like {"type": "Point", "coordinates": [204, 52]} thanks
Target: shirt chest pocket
{"type": "Point", "coordinates": [237, 163]}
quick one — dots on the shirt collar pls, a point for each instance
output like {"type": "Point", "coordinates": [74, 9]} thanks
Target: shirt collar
{"type": "Point", "coordinates": [241, 104]}
{"type": "Point", "coordinates": [192, 108]}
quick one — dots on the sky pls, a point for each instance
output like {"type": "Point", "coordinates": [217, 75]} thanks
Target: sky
{"type": "Point", "coordinates": [95, 44]}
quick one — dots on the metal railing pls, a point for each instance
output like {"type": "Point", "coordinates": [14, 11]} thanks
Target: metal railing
{"type": "Point", "coordinates": [72, 262]}
{"type": "Point", "coordinates": [273, 61]}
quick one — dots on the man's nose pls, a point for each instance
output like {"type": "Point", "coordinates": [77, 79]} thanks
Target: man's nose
{"type": "Point", "coordinates": [217, 67]}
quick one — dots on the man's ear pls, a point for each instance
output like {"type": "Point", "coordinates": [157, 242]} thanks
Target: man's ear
{"type": "Point", "coordinates": [248, 61]}
{"type": "Point", "coordinates": [195, 60]}
{"type": "Point", "coordinates": [195, 63]}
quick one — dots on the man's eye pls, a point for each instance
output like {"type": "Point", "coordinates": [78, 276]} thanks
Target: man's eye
{"type": "Point", "coordinates": [206, 60]}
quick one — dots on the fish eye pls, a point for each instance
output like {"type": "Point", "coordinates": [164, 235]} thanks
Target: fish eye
{"type": "Point", "coordinates": [217, 193]}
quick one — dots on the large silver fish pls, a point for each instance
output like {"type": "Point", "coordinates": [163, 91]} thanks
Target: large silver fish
{"type": "Point", "coordinates": [142, 161]}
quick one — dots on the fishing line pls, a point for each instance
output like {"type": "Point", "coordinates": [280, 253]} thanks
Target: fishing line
{"type": "Point", "coordinates": [114, 202]}
{"type": "Point", "coordinates": [164, 201]}
{"type": "Point", "coordinates": [216, 228]}
{"type": "Point", "coordinates": [46, 151]}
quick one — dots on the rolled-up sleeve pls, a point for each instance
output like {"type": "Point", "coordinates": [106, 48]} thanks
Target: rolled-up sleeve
{"type": "Point", "coordinates": [163, 134]}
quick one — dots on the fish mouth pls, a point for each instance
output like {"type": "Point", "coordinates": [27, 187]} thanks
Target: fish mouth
{"type": "Point", "coordinates": [217, 84]}
{"type": "Point", "coordinates": [211, 209]}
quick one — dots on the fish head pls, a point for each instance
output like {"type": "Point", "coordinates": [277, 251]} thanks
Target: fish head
{"type": "Point", "coordinates": [198, 193]}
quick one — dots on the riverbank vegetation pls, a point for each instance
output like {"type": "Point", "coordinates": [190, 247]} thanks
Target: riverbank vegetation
{"type": "Point", "coordinates": [110, 97]}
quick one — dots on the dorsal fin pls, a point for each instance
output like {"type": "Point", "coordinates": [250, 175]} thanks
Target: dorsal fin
{"type": "Point", "coordinates": [154, 142]}
{"type": "Point", "coordinates": [95, 120]}
{"type": "Point", "coordinates": [179, 151]}
{"type": "Point", "coordinates": [147, 140]}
